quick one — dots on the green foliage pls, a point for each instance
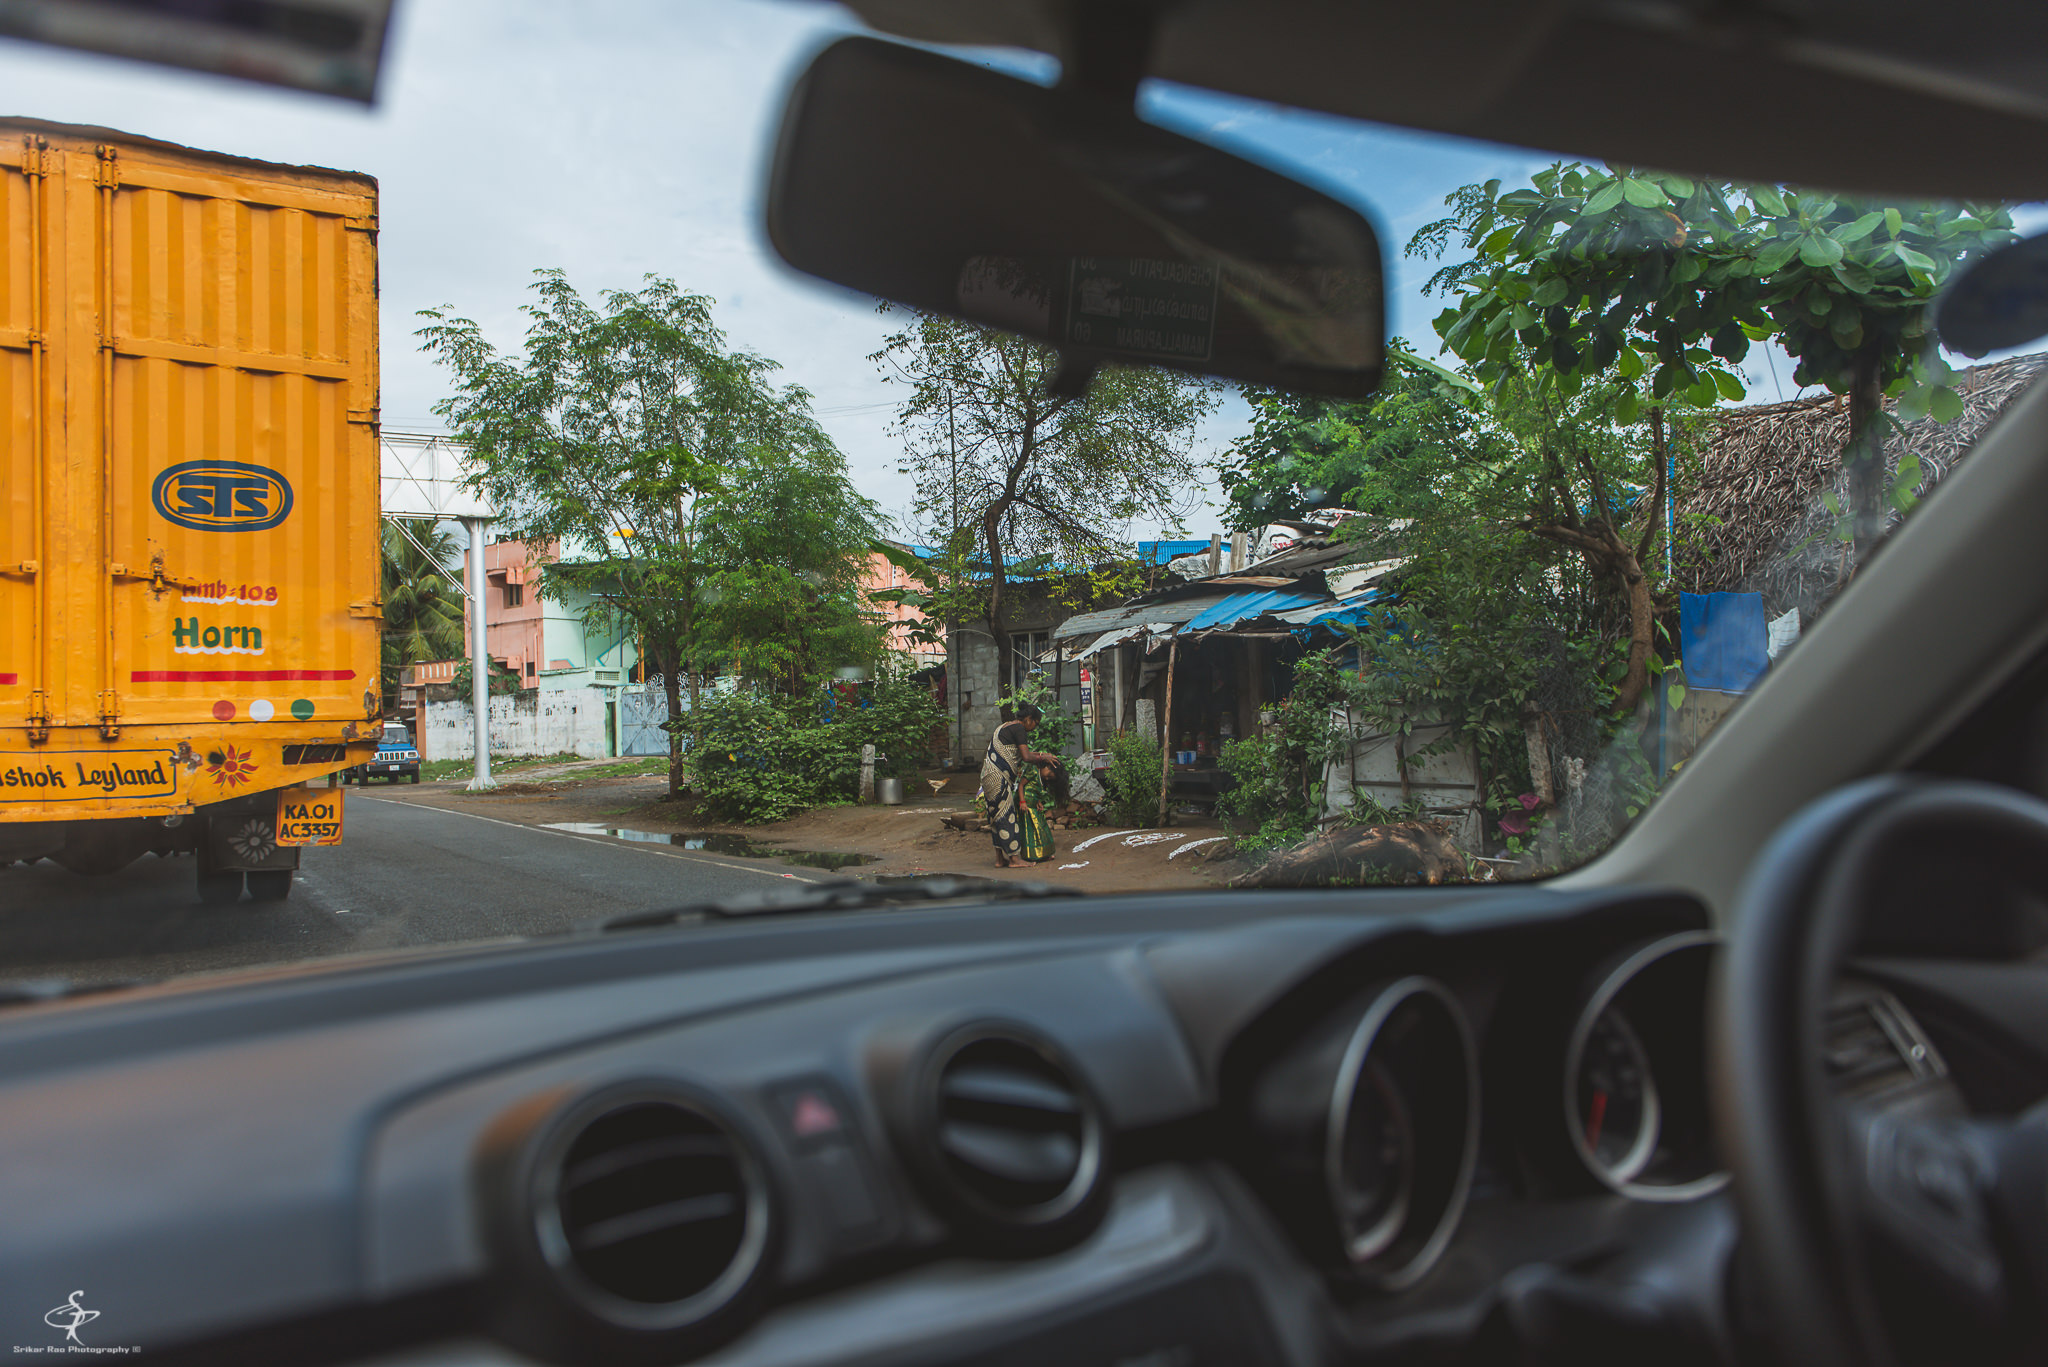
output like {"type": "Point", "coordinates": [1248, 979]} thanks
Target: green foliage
{"type": "Point", "coordinates": [422, 598]}
{"type": "Point", "coordinates": [1017, 482]}
{"type": "Point", "coordinates": [1383, 456]}
{"type": "Point", "coordinates": [747, 759]}
{"type": "Point", "coordinates": [782, 543]}
{"type": "Point", "coordinates": [1263, 807]}
{"type": "Point", "coordinates": [898, 716]}
{"type": "Point", "coordinates": [1056, 727]}
{"type": "Point", "coordinates": [1131, 782]}
{"type": "Point", "coordinates": [1663, 282]}
{"type": "Point", "coordinates": [500, 680]}
{"type": "Point", "coordinates": [1668, 279]}
{"type": "Point", "coordinates": [633, 446]}
{"type": "Point", "coordinates": [754, 756]}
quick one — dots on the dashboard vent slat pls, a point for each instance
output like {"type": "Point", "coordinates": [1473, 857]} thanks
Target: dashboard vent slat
{"type": "Point", "coordinates": [1046, 1160]}
{"type": "Point", "coordinates": [655, 1219]}
{"type": "Point", "coordinates": [652, 1199]}
{"type": "Point", "coordinates": [1011, 1140]}
{"type": "Point", "coordinates": [635, 1155]}
{"type": "Point", "coordinates": [1871, 1046]}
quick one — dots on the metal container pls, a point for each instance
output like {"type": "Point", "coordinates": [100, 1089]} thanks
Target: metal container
{"type": "Point", "coordinates": [189, 600]}
{"type": "Point", "coordinates": [889, 792]}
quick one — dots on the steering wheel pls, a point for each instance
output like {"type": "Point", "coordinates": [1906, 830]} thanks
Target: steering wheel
{"type": "Point", "coordinates": [1872, 1236]}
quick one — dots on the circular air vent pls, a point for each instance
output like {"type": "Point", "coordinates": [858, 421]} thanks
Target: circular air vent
{"type": "Point", "coordinates": [651, 1203]}
{"type": "Point", "coordinates": [631, 1224]}
{"type": "Point", "coordinates": [1008, 1138]}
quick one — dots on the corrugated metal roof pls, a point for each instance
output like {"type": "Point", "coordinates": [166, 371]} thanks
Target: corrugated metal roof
{"type": "Point", "coordinates": [1159, 552]}
{"type": "Point", "coordinates": [1221, 614]}
{"type": "Point", "coordinates": [1355, 610]}
{"type": "Point", "coordinates": [1171, 613]}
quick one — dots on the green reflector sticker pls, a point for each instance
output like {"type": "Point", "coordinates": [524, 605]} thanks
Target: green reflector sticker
{"type": "Point", "coordinates": [302, 708]}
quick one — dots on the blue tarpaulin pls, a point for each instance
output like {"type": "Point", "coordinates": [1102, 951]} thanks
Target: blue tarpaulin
{"type": "Point", "coordinates": [1722, 639]}
{"type": "Point", "coordinates": [1238, 607]}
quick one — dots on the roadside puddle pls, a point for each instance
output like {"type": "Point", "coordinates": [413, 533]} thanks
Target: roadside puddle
{"type": "Point", "coordinates": [717, 842]}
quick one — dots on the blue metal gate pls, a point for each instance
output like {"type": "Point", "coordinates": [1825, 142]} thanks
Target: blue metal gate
{"type": "Point", "coordinates": [643, 709]}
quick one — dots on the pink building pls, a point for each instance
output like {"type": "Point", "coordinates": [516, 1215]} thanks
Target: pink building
{"type": "Point", "coordinates": [880, 574]}
{"type": "Point", "coordinates": [546, 641]}
{"type": "Point", "coordinates": [515, 627]}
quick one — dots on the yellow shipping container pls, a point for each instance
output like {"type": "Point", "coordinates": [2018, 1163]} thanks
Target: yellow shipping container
{"type": "Point", "coordinates": [189, 568]}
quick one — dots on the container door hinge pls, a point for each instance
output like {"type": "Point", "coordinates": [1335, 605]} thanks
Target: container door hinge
{"type": "Point", "coordinates": [107, 174]}
{"type": "Point", "coordinates": [367, 607]}
{"type": "Point", "coordinates": [159, 580]}
{"type": "Point", "coordinates": [364, 415]}
{"type": "Point", "coordinates": [360, 223]}
{"type": "Point", "coordinates": [35, 161]}
{"type": "Point", "coordinates": [110, 715]}
{"type": "Point", "coordinates": [38, 717]}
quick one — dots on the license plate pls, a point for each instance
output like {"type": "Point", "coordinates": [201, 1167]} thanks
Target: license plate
{"type": "Point", "coordinates": [309, 816]}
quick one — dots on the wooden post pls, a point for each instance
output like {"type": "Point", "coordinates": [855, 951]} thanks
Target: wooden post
{"type": "Point", "coordinates": [1116, 724]}
{"type": "Point", "coordinates": [1166, 733]}
{"type": "Point", "coordinates": [1215, 555]}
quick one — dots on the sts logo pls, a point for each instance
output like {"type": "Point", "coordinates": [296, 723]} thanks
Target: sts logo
{"type": "Point", "coordinates": [222, 496]}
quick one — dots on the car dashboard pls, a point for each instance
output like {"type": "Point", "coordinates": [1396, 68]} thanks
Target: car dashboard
{"type": "Point", "coordinates": [1261, 1128]}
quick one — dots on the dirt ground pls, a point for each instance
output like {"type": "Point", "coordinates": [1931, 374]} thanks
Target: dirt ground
{"type": "Point", "coordinates": [907, 840]}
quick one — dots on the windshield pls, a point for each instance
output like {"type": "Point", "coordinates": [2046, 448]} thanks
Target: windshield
{"type": "Point", "coordinates": [699, 580]}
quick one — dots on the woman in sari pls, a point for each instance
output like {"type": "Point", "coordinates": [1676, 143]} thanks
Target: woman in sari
{"type": "Point", "coordinates": [1016, 800]}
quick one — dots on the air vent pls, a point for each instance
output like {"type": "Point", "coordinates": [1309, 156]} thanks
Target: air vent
{"type": "Point", "coordinates": [1013, 1141]}
{"type": "Point", "coordinates": [629, 1225]}
{"type": "Point", "coordinates": [652, 1203]}
{"type": "Point", "coordinates": [1873, 1046]}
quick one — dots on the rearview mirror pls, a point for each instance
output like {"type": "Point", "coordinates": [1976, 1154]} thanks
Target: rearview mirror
{"type": "Point", "coordinates": [937, 184]}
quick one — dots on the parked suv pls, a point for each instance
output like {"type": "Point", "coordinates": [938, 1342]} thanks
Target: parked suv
{"type": "Point", "coordinates": [397, 757]}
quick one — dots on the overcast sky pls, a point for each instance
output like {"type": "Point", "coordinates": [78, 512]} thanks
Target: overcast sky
{"type": "Point", "coordinates": [614, 138]}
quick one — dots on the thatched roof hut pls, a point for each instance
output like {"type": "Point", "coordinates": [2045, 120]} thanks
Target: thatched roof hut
{"type": "Point", "coordinates": [1753, 518]}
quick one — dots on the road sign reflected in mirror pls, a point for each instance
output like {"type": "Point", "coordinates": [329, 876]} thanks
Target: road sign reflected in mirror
{"type": "Point", "coordinates": [948, 187]}
{"type": "Point", "coordinates": [1132, 307]}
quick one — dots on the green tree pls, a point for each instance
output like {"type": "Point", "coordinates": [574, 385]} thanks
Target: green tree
{"type": "Point", "coordinates": [605, 436]}
{"type": "Point", "coordinates": [422, 598]}
{"type": "Point", "coordinates": [1383, 456]}
{"type": "Point", "coordinates": [783, 542]}
{"type": "Point", "coordinates": [1006, 470]}
{"type": "Point", "coordinates": [1665, 281]}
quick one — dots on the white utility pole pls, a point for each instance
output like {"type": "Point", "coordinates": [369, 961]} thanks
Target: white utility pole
{"type": "Point", "coordinates": [479, 656]}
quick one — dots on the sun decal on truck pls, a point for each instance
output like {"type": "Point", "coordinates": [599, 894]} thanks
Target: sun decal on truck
{"type": "Point", "coordinates": [231, 768]}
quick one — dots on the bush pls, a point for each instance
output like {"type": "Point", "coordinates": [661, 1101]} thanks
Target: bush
{"type": "Point", "coordinates": [755, 758]}
{"type": "Point", "coordinates": [897, 716]}
{"type": "Point", "coordinates": [1132, 782]}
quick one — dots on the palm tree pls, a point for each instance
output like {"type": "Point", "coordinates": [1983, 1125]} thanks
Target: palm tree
{"type": "Point", "coordinates": [422, 598]}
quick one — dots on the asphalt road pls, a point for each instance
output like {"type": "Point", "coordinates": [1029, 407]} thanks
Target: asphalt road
{"type": "Point", "coordinates": [403, 875]}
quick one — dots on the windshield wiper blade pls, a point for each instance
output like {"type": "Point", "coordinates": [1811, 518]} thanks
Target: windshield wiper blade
{"type": "Point", "coordinates": [35, 991]}
{"type": "Point", "coordinates": [843, 894]}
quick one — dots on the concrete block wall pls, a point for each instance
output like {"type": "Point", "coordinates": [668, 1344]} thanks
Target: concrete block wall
{"type": "Point", "coordinates": [530, 722]}
{"type": "Point", "coordinates": [973, 688]}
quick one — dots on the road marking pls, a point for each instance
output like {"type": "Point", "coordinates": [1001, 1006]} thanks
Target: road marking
{"type": "Point", "coordinates": [1151, 838]}
{"type": "Point", "coordinates": [1111, 835]}
{"type": "Point", "coordinates": [688, 857]}
{"type": "Point", "coordinates": [1196, 845]}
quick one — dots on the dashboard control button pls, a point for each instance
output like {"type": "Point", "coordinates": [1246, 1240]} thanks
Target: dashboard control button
{"type": "Point", "coordinates": [810, 1113]}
